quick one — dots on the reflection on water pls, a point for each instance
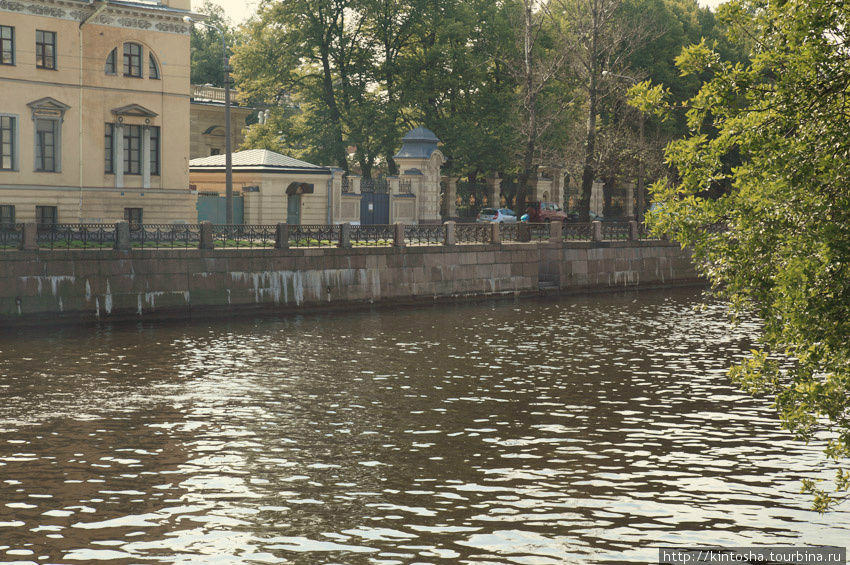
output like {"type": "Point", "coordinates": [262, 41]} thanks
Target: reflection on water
{"type": "Point", "coordinates": [572, 431]}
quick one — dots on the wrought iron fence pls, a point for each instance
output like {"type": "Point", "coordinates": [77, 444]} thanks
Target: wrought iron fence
{"type": "Point", "coordinates": [165, 236]}
{"type": "Point", "coordinates": [10, 235]}
{"type": "Point", "coordinates": [346, 186]}
{"type": "Point", "coordinates": [372, 236]}
{"type": "Point", "coordinates": [380, 185]}
{"type": "Point", "coordinates": [539, 231]}
{"type": "Point", "coordinates": [577, 231]}
{"type": "Point", "coordinates": [75, 236]}
{"type": "Point", "coordinates": [472, 233]}
{"type": "Point", "coordinates": [240, 236]}
{"type": "Point", "coordinates": [615, 231]}
{"type": "Point", "coordinates": [427, 234]}
{"type": "Point", "coordinates": [514, 232]}
{"type": "Point", "coordinates": [405, 187]}
{"type": "Point", "coordinates": [314, 236]}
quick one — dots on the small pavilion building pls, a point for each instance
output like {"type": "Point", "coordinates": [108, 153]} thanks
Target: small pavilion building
{"type": "Point", "coordinates": [269, 188]}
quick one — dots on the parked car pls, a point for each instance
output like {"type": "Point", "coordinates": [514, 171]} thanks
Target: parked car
{"type": "Point", "coordinates": [539, 212]}
{"type": "Point", "coordinates": [500, 216]}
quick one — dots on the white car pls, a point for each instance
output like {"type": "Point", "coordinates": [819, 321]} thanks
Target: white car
{"type": "Point", "coordinates": [500, 216]}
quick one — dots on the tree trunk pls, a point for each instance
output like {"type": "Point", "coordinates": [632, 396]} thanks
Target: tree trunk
{"type": "Point", "coordinates": [330, 99]}
{"type": "Point", "coordinates": [531, 108]}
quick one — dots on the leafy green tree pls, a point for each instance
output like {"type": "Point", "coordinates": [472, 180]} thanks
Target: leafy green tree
{"type": "Point", "coordinates": [207, 51]}
{"type": "Point", "coordinates": [768, 158]}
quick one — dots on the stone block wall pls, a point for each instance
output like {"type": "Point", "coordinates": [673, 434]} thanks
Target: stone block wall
{"type": "Point", "coordinates": [90, 285]}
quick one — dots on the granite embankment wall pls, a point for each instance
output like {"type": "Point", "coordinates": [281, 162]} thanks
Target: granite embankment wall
{"type": "Point", "coordinates": [38, 287]}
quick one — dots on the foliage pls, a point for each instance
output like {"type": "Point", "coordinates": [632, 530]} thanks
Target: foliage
{"type": "Point", "coordinates": [207, 50]}
{"type": "Point", "coordinates": [768, 157]}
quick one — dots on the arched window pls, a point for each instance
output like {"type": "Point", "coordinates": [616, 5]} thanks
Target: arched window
{"type": "Point", "coordinates": [153, 68]}
{"type": "Point", "coordinates": [132, 60]}
{"type": "Point", "coordinates": [109, 68]}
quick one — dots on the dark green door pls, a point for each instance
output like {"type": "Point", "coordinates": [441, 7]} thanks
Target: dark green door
{"type": "Point", "coordinates": [293, 209]}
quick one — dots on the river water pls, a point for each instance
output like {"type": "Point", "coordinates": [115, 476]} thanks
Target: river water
{"type": "Point", "coordinates": [574, 430]}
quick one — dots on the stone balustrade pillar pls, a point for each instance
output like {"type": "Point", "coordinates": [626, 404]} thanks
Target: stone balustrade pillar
{"type": "Point", "coordinates": [354, 184]}
{"type": "Point", "coordinates": [398, 235]}
{"type": "Point", "coordinates": [122, 236]}
{"type": "Point", "coordinates": [451, 233]}
{"type": "Point", "coordinates": [596, 231]}
{"type": "Point", "coordinates": [556, 229]}
{"type": "Point", "coordinates": [345, 235]}
{"type": "Point", "coordinates": [281, 240]}
{"type": "Point", "coordinates": [634, 231]}
{"type": "Point", "coordinates": [495, 233]}
{"type": "Point", "coordinates": [29, 237]}
{"type": "Point", "coordinates": [206, 236]}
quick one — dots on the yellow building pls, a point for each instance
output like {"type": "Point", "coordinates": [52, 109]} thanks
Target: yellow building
{"type": "Point", "coordinates": [207, 117]}
{"type": "Point", "coordinates": [94, 113]}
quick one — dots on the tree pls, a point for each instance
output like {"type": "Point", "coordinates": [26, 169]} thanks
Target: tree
{"type": "Point", "coordinates": [207, 56]}
{"type": "Point", "coordinates": [768, 159]}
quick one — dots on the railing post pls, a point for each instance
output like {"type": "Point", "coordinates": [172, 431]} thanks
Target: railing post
{"type": "Point", "coordinates": [596, 231]}
{"type": "Point", "coordinates": [29, 237]}
{"type": "Point", "coordinates": [281, 239]}
{"type": "Point", "coordinates": [122, 236]}
{"type": "Point", "coordinates": [398, 234]}
{"type": "Point", "coordinates": [556, 229]}
{"type": "Point", "coordinates": [495, 233]}
{"type": "Point", "coordinates": [523, 232]}
{"type": "Point", "coordinates": [206, 236]}
{"type": "Point", "coordinates": [634, 232]}
{"type": "Point", "coordinates": [451, 233]}
{"type": "Point", "coordinates": [345, 235]}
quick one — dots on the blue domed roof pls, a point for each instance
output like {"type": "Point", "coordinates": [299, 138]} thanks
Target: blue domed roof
{"type": "Point", "coordinates": [419, 143]}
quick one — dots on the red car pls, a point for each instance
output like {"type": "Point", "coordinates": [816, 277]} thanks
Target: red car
{"type": "Point", "coordinates": [539, 212]}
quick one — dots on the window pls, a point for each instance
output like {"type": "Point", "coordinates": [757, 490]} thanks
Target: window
{"type": "Point", "coordinates": [132, 60]}
{"type": "Point", "coordinates": [7, 45]}
{"type": "Point", "coordinates": [154, 150]}
{"type": "Point", "coordinates": [8, 143]}
{"type": "Point", "coordinates": [132, 150]}
{"type": "Point", "coordinates": [46, 215]}
{"type": "Point", "coordinates": [110, 68]}
{"type": "Point", "coordinates": [134, 216]}
{"type": "Point", "coordinates": [46, 145]}
{"type": "Point", "coordinates": [109, 143]}
{"type": "Point", "coordinates": [153, 68]}
{"type": "Point", "coordinates": [7, 216]}
{"type": "Point", "coordinates": [45, 49]}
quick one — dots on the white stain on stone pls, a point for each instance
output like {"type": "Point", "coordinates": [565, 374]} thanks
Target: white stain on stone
{"type": "Point", "coordinates": [285, 287]}
{"type": "Point", "coordinates": [88, 291]}
{"type": "Point", "coordinates": [107, 299]}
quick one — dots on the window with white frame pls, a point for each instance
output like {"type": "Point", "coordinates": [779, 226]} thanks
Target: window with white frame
{"type": "Point", "coordinates": [8, 143]}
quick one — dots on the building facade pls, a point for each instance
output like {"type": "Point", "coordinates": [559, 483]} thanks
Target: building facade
{"type": "Point", "coordinates": [94, 117]}
{"type": "Point", "coordinates": [207, 117]}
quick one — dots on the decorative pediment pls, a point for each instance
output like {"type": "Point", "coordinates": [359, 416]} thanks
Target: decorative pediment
{"type": "Point", "coordinates": [134, 110]}
{"type": "Point", "coordinates": [48, 108]}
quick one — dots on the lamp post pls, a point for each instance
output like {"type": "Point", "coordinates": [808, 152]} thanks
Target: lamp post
{"type": "Point", "coordinates": [228, 149]}
{"type": "Point", "coordinates": [640, 190]}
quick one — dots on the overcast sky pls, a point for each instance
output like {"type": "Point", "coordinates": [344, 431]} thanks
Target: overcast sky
{"type": "Point", "coordinates": [240, 10]}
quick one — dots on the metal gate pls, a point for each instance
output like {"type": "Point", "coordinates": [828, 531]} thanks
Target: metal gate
{"type": "Point", "coordinates": [375, 202]}
{"type": "Point", "coordinates": [212, 207]}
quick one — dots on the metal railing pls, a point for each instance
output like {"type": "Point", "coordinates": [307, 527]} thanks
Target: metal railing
{"type": "Point", "coordinates": [244, 236]}
{"type": "Point", "coordinates": [378, 185]}
{"type": "Point", "coordinates": [75, 236]}
{"type": "Point", "coordinates": [539, 232]}
{"type": "Point", "coordinates": [346, 185]}
{"type": "Point", "coordinates": [615, 231]}
{"type": "Point", "coordinates": [314, 236]}
{"type": "Point", "coordinates": [472, 233]}
{"type": "Point", "coordinates": [372, 236]}
{"type": "Point", "coordinates": [165, 236]}
{"type": "Point", "coordinates": [577, 231]}
{"type": "Point", "coordinates": [428, 234]}
{"type": "Point", "coordinates": [10, 235]}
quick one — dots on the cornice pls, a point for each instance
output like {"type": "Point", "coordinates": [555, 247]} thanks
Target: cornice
{"type": "Point", "coordinates": [152, 18]}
